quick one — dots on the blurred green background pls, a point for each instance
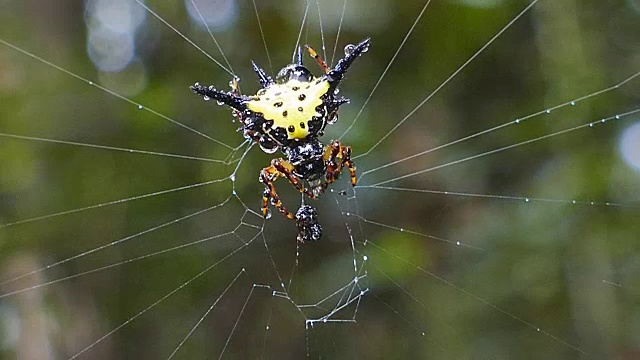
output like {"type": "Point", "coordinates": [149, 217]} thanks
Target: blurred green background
{"type": "Point", "coordinates": [537, 279]}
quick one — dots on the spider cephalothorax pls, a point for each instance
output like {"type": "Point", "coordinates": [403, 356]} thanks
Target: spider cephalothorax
{"type": "Point", "coordinates": [289, 114]}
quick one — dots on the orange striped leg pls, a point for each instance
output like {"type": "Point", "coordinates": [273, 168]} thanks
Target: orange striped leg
{"type": "Point", "coordinates": [268, 175]}
{"type": "Point", "coordinates": [332, 154]}
{"type": "Point", "coordinates": [318, 58]}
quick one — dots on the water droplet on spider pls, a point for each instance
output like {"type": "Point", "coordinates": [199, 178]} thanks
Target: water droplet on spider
{"type": "Point", "coordinates": [349, 49]}
{"type": "Point", "coordinates": [220, 102]}
{"type": "Point", "coordinates": [336, 91]}
{"type": "Point", "coordinates": [343, 192]}
{"type": "Point", "coordinates": [267, 215]}
{"type": "Point", "coordinates": [206, 98]}
{"type": "Point", "coordinates": [573, 103]}
{"type": "Point", "coordinates": [268, 147]}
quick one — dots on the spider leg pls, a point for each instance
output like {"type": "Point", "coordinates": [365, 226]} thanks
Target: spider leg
{"type": "Point", "coordinates": [332, 154]}
{"type": "Point", "coordinates": [268, 176]}
{"type": "Point", "coordinates": [235, 86]}
{"type": "Point", "coordinates": [235, 90]}
{"type": "Point", "coordinates": [318, 58]}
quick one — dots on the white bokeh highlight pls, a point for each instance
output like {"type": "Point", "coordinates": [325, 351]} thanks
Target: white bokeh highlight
{"type": "Point", "coordinates": [217, 15]}
{"type": "Point", "coordinates": [112, 27]}
{"type": "Point", "coordinates": [630, 146]}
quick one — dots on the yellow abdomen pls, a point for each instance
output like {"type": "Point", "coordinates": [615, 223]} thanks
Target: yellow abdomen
{"type": "Point", "coordinates": [290, 105]}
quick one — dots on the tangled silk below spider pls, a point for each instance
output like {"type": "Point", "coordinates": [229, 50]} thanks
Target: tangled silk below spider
{"type": "Point", "coordinates": [289, 114]}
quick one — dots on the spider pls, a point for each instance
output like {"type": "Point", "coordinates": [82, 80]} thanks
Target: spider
{"type": "Point", "coordinates": [289, 114]}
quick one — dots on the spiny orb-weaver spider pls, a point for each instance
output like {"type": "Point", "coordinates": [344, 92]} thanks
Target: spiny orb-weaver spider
{"type": "Point", "coordinates": [289, 114]}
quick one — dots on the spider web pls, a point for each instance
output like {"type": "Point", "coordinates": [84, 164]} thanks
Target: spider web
{"type": "Point", "coordinates": [493, 217]}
